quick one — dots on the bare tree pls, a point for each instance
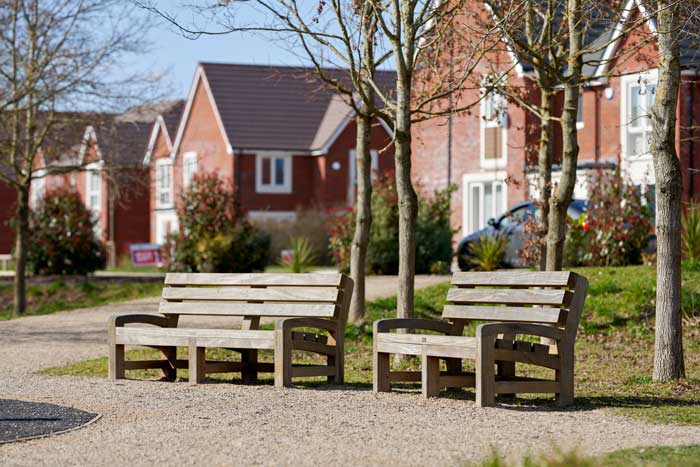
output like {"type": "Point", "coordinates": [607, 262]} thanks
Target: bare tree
{"type": "Point", "coordinates": [54, 55]}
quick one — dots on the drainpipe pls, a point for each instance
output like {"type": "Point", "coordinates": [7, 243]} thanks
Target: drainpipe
{"type": "Point", "coordinates": [449, 142]}
{"type": "Point", "coordinates": [596, 128]}
{"type": "Point", "coordinates": [691, 162]}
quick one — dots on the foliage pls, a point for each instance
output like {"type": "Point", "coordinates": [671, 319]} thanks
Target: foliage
{"type": "Point", "coordinates": [691, 233]}
{"type": "Point", "coordinates": [529, 252]}
{"type": "Point", "coordinates": [618, 222]}
{"type": "Point", "coordinates": [214, 235]}
{"type": "Point", "coordinates": [488, 252]}
{"type": "Point", "coordinates": [303, 256]}
{"type": "Point", "coordinates": [439, 268]}
{"type": "Point", "coordinates": [62, 236]}
{"type": "Point", "coordinates": [433, 231]}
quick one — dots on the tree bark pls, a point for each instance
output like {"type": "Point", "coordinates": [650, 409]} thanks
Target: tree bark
{"type": "Point", "coordinates": [544, 162]}
{"type": "Point", "coordinates": [21, 240]}
{"type": "Point", "coordinates": [363, 217]}
{"type": "Point", "coordinates": [561, 197]}
{"type": "Point", "coordinates": [408, 201]}
{"type": "Point", "coordinates": [668, 351]}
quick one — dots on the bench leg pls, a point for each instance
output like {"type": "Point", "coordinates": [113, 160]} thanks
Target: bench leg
{"type": "Point", "coordinates": [250, 366]}
{"type": "Point", "coordinates": [197, 362]}
{"type": "Point", "coordinates": [338, 361]}
{"type": "Point", "coordinates": [565, 376]}
{"type": "Point", "coordinates": [485, 372]}
{"type": "Point", "coordinates": [430, 372]}
{"type": "Point", "coordinates": [116, 361]}
{"type": "Point", "coordinates": [380, 374]}
{"type": "Point", "coordinates": [283, 358]}
{"type": "Point", "coordinates": [170, 354]}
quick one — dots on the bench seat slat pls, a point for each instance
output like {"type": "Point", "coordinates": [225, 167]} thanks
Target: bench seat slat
{"type": "Point", "coordinates": [515, 279]}
{"type": "Point", "coordinates": [248, 309]}
{"type": "Point", "coordinates": [431, 345]}
{"type": "Point", "coordinates": [510, 296]}
{"type": "Point", "coordinates": [503, 313]}
{"type": "Point", "coordinates": [260, 279]}
{"type": "Point", "coordinates": [296, 294]}
{"type": "Point", "coordinates": [227, 338]}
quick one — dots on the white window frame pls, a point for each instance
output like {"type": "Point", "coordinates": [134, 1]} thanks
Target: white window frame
{"type": "Point", "coordinates": [352, 172]}
{"type": "Point", "coordinates": [626, 126]}
{"type": "Point", "coordinates": [37, 188]}
{"type": "Point", "coordinates": [285, 187]}
{"type": "Point", "coordinates": [480, 180]}
{"type": "Point", "coordinates": [160, 163]}
{"type": "Point", "coordinates": [161, 219]}
{"type": "Point", "coordinates": [485, 123]}
{"type": "Point", "coordinates": [91, 171]}
{"type": "Point", "coordinates": [189, 167]}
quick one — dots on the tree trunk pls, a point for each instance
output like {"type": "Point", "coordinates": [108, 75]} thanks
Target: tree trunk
{"type": "Point", "coordinates": [21, 240]}
{"type": "Point", "coordinates": [544, 162]}
{"type": "Point", "coordinates": [561, 197]}
{"type": "Point", "coordinates": [668, 354]}
{"type": "Point", "coordinates": [363, 217]}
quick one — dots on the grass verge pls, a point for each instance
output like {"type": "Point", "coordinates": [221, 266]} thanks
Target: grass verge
{"type": "Point", "coordinates": [614, 351]}
{"type": "Point", "coordinates": [62, 295]}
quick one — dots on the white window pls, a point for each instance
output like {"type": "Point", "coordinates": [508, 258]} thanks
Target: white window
{"type": "Point", "coordinates": [189, 167]}
{"type": "Point", "coordinates": [37, 189]}
{"type": "Point", "coordinates": [164, 183]}
{"type": "Point", "coordinates": [494, 129]}
{"type": "Point", "coordinates": [166, 223]}
{"type": "Point", "coordinates": [638, 93]}
{"type": "Point", "coordinates": [483, 198]}
{"type": "Point", "coordinates": [273, 174]}
{"type": "Point", "coordinates": [352, 173]}
{"type": "Point", "coordinates": [93, 194]}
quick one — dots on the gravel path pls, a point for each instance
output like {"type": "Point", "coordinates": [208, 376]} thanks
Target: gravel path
{"type": "Point", "coordinates": [147, 423]}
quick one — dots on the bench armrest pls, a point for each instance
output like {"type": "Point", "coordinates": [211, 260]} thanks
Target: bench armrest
{"type": "Point", "coordinates": [386, 325]}
{"type": "Point", "coordinates": [116, 321]}
{"type": "Point", "coordinates": [319, 323]}
{"type": "Point", "coordinates": [539, 330]}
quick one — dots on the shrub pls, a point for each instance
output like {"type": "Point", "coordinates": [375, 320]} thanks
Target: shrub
{"type": "Point", "coordinates": [307, 223]}
{"type": "Point", "coordinates": [691, 233]}
{"type": "Point", "coordinates": [62, 233]}
{"type": "Point", "coordinates": [617, 224]}
{"type": "Point", "coordinates": [214, 234]}
{"type": "Point", "coordinates": [303, 256]}
{"type": "Point", "coordinates": [488, 253]}
{"type": "Point", "coordinates": [433, 232]}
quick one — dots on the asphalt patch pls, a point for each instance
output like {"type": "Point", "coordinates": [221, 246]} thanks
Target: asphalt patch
{"type": "Point", "coordinates": [21, 420]}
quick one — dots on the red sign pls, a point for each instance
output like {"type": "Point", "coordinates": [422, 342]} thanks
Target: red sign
{"type": "Point", "coordinates": [145, 254]}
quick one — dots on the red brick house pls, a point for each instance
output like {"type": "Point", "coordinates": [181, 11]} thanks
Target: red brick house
{"type": "Point", "coordinates": [491, 151]}
{"type": "Point", "coordinates": [279, 137]}
{"type": "Point", "coordinates": [106, 170]}
{"type": "Point", "coordinates": [7, 209]}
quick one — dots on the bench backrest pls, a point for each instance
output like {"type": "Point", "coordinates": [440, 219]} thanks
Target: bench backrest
{"type": "Point", "coordinates": [553, 298]}
{"type": "Point", "coordinates": [262, 294]}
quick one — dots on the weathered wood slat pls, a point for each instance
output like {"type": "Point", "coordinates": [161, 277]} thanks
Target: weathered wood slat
{"type": "Point", "coordinates": [405, 376]}
{"type": "Point", "coordinates": [534, 358]}
{"type": "Point", "coordinates": [248, 309]}
{"type": "Point", "coordinates": [316, 347]}
{"type": "Point", "coordinates": [515, 279]}
{"type": "Point", "coordinates": [457, 381]}
{"type": "Point", "coordinates": [222, 367]}
{"type": "Point", "coordinates": [259, 279]}
{"type": "Point", "coordinates": [146, 364]}
{"type": "Point", "coordinates": [503, 313]}
{"type": "Point", "coordinates": [510, 296]}
{"type": "Point", "coordinates": [512, 387]}
{"type": "Point", "coordinates": [202, 337]}
{"type": "Point", "coordinates": [292, 294]}
{"type": "Point", "coordinates": [313, 370]}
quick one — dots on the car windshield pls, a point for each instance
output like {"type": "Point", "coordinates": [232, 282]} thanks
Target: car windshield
{"type": "Point", "coordinates": [516, 216]}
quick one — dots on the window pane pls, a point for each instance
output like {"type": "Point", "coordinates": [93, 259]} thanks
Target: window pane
{"type": "Point", "coordinates": [499, 203]}
{"type": "Point", "coordinates": [636, 110]}
{"type": "Point", "coordinates": [488, 201]}
{"type": "Point", "coordinates": [579, 114]}
{"type": "Point", "coordinates": [266, 171]}
{"type": "Point", "coordinates": [475, 203]}
{"type": "Point", "coordinates": [279, 171]}
{"type": "Point", "coordinates": [635, 144]}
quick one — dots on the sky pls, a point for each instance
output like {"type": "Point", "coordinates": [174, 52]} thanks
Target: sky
{"type": "Point", "coordinates": [177, 56]}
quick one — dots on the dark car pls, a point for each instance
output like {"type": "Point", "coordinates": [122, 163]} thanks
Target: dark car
{"type": "Point", "coordinates": [510, 225]}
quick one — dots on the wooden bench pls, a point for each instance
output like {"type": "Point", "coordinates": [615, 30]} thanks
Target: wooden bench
{"type": "Point", "coordinates": [547, 305]}
{"type": "Point", "coordinates": [317, 301]}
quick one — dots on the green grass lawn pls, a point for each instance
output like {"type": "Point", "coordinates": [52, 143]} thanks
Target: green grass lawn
{"type": "Point", "coordinates": [686, 456]}
{"type": "Point", "coordinates": [68, 295]}
{"type": "Point", "coordinates": [614, 352]}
